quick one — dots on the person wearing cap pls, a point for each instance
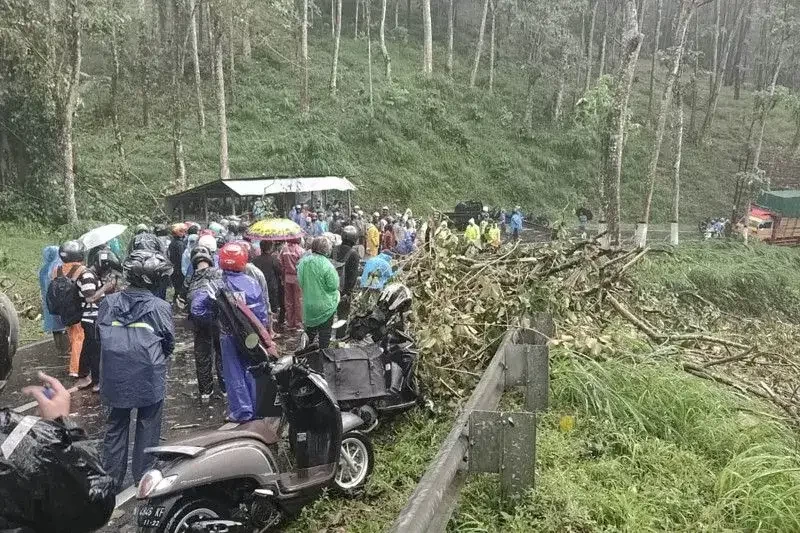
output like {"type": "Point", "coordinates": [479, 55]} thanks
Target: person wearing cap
{"type": "Point", "coordinates": [472, 233]}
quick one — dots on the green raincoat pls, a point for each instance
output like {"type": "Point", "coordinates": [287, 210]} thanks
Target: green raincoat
{"type": "Point", "coordinates": [319, 282]}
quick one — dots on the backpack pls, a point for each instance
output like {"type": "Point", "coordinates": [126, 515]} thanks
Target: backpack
{"type": "Point", "coordinates": [63, 297]}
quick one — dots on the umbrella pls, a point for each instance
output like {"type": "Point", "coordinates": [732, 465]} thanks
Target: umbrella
{"type": "Point", "coordinates": [274, 229]}
{"type": "Point", "coordinates": [101, 235]}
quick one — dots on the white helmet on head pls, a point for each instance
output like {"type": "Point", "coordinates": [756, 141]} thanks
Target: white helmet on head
{"type": "Point", "coordinates": [208, 242]}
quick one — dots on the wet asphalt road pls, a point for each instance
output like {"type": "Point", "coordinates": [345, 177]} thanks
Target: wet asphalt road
{"type": "Point", "coordinates": [182, 406]}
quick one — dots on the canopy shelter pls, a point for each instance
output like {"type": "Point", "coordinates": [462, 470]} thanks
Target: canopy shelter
{"type": "Point", "coordinates": [237, 196]}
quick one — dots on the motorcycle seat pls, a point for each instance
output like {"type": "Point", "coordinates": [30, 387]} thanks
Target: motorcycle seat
{"type": "Point", "coordinates": [264, 430]}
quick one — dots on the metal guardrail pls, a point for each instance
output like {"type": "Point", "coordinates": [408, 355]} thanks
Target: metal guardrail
{"type": "Point", "coordinates": [521, 359]}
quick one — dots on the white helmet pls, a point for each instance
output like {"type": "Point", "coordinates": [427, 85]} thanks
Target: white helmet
{"type": "Point", "coordinates": [208, 242]}
{"type": "Point", "coordinates": [396, 298]}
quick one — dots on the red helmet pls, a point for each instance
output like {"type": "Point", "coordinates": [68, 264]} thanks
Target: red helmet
{"type": "Point", "coordinates": [233, 257]}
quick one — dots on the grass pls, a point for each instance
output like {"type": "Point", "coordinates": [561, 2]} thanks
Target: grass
{"type": "Point", "coordinates": [653, 449]}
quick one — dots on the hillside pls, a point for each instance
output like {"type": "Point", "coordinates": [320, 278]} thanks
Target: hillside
{"type": "Point", "coordinates": [428, 144]}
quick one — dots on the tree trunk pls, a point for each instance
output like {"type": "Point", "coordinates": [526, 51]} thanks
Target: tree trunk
{"type": "Point", "coordinates": [684, 16]}
{"type": "Point", "coordinates": [450, 13]}
{"type": "Point", "coordinates": [534, 73]}
{"type": "Point", "coordinates": [333, 19]}
{"type": "Point", "coordinates": [198, 83]}
{"type": "Point", "coordinates": [408, 15]}
{"type": "Point", "coordinates": [396, 14]}
{"type": "Point", "coordinates": [355, 31]}
{"type": "Point", "coordinates": [219, 74]}
{"type": "Point", "coordinates": [590, 47]}
{"type": "Point", "coordinates": [306, 97]}
{"type": "Point", "coordinates": [337, 40]}
{"type": "Point", "coordinates": [369, 54]}
{"type": "Point", "coordinates": [740, 56]}
{"type": "Point", "coordinates": [231, 61]}
{"type": "Point", "coordinates": [654, 59]}
{"type": "Point", "coordinates": [603, 42]}
{"type": "Point", "coordinates": [763, 117]}
{"type": "Point", "coordinates": [631, 45]}
{"type": "Point", "coordinates": [677, 130]}
{"type": "Point", "coordinates": [179, 164]}
{"type": "Point", "coordinates": [718, 77]}
{"type": "Point", "coordinates": [115, 94]}
{"type": "Point", "coordinates": [491, 47]}
{"type": "Point", "coordinates": [144, 53]}
{"type": "Point", "coordinates": [427, 57]}
{"type": "Point", "coordinates": [558, 104]}
{"type": "Point", "coordinates": [67, 104]}
{"type": "Point", "coordinates": [247, 46]}
{"type": "Point", "coordinates": [387, 60]}
{"type": "Point", "coordinates": [212, 50]}
{"type": "Point", "coordinates": [715, 45]}
{"type": "Point", "coordinates": [796, 139]}
{"type": "Point", "coordinates": [479, 47]}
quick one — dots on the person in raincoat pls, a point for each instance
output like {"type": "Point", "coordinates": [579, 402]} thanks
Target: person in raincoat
{"type": "Point", "coordinates": [516, 223]}
{"type": "Point", "coordinates": [72, 255]}
{"type": "Point", "coordinates": [377, 272]}
{"type": "Point", "coordinates": [289, 256]}
{"type": "Point", "coordinates": [136, 340]}
{"type": "Point", "coordinates": [239, 383]}
{"type": "Point", "coordinates": [494, 238]}
{"type": "Point", "coordinates": [52, 323]}
{"type": "Point", "coordinates": [319, 282]}
{"type": "Point", "coordinates": [373, 237]}
{"type": "Point", "coordinates": [175, 250]}
{"type": "Point", "coordinates": [388, 238]}
{"type": "Point", "coordinates": [472, 233]}
{"type": "Point", "coordinates": [408, 244]}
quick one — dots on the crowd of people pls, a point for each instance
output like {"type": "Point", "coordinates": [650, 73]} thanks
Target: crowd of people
{"type": "Point", "coordinates": [111, 319]}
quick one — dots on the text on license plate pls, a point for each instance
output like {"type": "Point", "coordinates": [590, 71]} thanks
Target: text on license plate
{"type": "Point", "coordinates": [149, 515]}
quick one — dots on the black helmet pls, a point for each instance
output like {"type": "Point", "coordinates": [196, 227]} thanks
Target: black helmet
{"type": "Point", "coordinates": [395, 298]}
{"type": "Point", "coordinates": [141, 228]}
{"type": "Point", "coordinates": [9, 334]}
{"type": "Point", "coordinates": [146, 269]}
{"type": "Point", "coordinates": [349, 235]}
{"type": "Point", "coordinates": [105, 260]}
{"type": "Point", "coordinates": [72, 252]}
{"type": "Point", "coordinates": [199, 254]}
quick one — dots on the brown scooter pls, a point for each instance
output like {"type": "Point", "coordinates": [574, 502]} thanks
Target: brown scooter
{"type": "Point", "coordinates": [247, 478]}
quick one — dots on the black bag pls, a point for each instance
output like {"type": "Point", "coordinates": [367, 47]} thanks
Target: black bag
{"type": "Point", "coordinates": [63, 296]}
{"type": "Point", "coordinates": [356, 373]}
{"type": "Point", "coordinates": [51, 478]}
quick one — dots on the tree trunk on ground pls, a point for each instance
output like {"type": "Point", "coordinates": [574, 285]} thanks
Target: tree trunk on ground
{"type": "Point", "coordinates": [631, 45]}
{"type": "Point", "coordinates": [479, 47]}
{"type": "Point", "coordinates": [715, 45]}
{"type": "Point", "coordinates": [306, 97]}
{"type": "Point", "coordinates": [427, 56]}
{"type": "Point", "coordinates": [115, 70]}
{"type": "Point", "coordinates": [450, 13]}
{"type": "Point", "coordinates": [387, 60]}
{"type": "Point", "coordinates": [369, 54]}
{"type": "Point", "coordinates": [219, 74]}
{"type": "Point", "coordinates": [684, 16]}
{"type": "Point", "coordinates": [198, 83]}
{"type": "Point", "coordinates": [66, 105]}
{"type": "Point", "coordinates": [654, 59]}
{"type": "Point", "coordinates": [355, 31]}
{"type": "Point", "coordinates": [491, 46]}
{"type": "Point", "coordinates": [590, 47]}
{"type": "Point", "coordinates": [337, 40]}
{"type": "Point", "coordinates": [558, 104]}
{"type": "Point", "coordinates": [718, 77]}
{"type": "Point", "coordinates": [677, 132]}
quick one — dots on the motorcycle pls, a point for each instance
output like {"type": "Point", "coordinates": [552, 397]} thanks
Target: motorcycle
{"type": "Point", "coordinates": [371, 369]}
{"type": "Point", "coordinates": [248, 477]}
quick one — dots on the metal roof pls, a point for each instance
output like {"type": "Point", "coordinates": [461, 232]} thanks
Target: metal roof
{"type": "Point", "coordinates": [266, 186]}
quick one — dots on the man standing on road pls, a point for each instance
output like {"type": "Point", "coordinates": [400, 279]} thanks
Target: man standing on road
{"type": "Point", "coordinates": [348, 256]}
{"type": "Point", "coordinates": [289, 256]}
{"type": "Point", "coordinates": [320, 285]}
{"type": "Point", "coordinates": [72, 254]}
{"type": "Point", "coordinates": [137, 337]}
{"type": "Point", "coordinates": [175, 255]}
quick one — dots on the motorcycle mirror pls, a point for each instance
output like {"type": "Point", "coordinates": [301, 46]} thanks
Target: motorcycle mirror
{"type": "Point", "coordinates": [339, 323]}
{"type": "Point", "coordinates": [251, 341]}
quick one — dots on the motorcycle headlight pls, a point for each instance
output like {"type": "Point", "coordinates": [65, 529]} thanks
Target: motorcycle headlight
{"type": "Point", "coordinates": [152, 481]}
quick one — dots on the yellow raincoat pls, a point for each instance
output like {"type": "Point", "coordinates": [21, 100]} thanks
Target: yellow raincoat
{"type": "Point", "coordinates": [373, 240]}
{"type": "Point", "coordinates": [472, 234]}
{"type": "Point", "coordinates": [494, 237]}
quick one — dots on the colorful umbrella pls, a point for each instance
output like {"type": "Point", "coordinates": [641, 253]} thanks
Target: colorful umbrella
{"type": "Point", "coordinates": [274, 229]}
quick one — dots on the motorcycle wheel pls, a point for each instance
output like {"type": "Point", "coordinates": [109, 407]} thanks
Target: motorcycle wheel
{"type": "Point", "coordinates": [189, 510]}
{"type": "Point", "coordinates": [356, 460]}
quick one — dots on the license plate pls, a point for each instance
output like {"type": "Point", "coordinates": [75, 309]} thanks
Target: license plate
{"type": "Point", "coordinates": [149, 515]}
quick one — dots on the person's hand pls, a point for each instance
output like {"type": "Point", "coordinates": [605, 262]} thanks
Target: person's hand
{"type": "Point", "coordinates": [57, 404]}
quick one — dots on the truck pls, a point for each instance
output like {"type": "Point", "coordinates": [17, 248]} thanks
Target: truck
{"type": "Point", "coordinates": [775, 217]}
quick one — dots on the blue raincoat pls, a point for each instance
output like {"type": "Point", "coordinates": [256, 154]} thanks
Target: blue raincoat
{"type": "Point", "coordinates": [240, 385]}
{"type": "Point", "coordinates": [516, 221]}
{"type": "Point", "coordinates": [406, 245]}
{"type": "Point", "coordinates": [377, 272]}
{"type": "Point", "coordinates": [186, 258]}
{"type": "Point", "coordinates": [136, 338]}
{"type": "Point", "coordinates": [50, 261]}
